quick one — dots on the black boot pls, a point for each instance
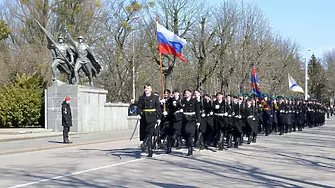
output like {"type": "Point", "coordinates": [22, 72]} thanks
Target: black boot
{"type": "Point", "coordinates": [179, 142]}
{"type": "Point", "coordinates": [190, 146]}
{"type": "Point", "coordinates": [168, 145]}
{"type": "Point", "coordinates": [200, 143]}
{"type": "Point", "coordinates": [266, 127]}
{"type": "Point", "coordinates": [150, 152]}
{"type": "Point", "coordinates": [230, 141]}
{"type": "Point", "coordinates": [254, 137]}
{"type": "Point", "coordinates": [160, 145]}
{"type": "Point", "coordinates": [221, 141]}
{"type": "Point", "coordinates": [249, 139]}
{"type": "Point", "coordinates": [240, 141]}
{"type": "Point", "coordinates": [144, 144]}
{"type": "Point", "coordinates": [236, 140]}
{"type": "Point", "coordinates": [68, 141]}
{"type": "Point", "coordinates": [290, 129]}
{"type": "Point", "coordinates": [65, 135]}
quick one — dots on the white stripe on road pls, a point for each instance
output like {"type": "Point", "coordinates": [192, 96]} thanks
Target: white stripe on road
{"type": "Point", "coordinates": [76, 173]}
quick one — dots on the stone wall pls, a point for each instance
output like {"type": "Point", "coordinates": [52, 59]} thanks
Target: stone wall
{"type": "Point", "coordinates": [90, 112]}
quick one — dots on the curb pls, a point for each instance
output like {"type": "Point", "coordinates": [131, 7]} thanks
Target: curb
{"type": "Point", "coordinates": [36, 137]}
{"type": "Point", "coordinates": [61, 146]}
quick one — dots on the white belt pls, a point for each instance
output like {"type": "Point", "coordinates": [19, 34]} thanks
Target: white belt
{"type": "Point", "coordinates": [189, 113]}
{"type": "Point", "coordinates": [178, 111]}
{"type": "Point", "coordinates": [219, 114]}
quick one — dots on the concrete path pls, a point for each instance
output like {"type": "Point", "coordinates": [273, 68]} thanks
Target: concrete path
{"type": "Point", "coordinates": [300, 159]}
{"type": "Point", "coordinates": [45, 141]}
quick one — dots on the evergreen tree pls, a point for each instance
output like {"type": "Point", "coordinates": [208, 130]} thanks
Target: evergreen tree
{"type": "Point", "coordinates": [317, 83]}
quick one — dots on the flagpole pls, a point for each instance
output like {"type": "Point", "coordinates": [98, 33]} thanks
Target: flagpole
{"type": "Point", "coordinates": [162, 76]}
{"type": "Point", "coordinates": [161, 69]}
{"type": "Point", "coordinates": [306, 77]}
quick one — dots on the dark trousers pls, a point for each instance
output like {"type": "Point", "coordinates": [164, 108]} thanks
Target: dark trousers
{"type": "Point", "coordinates": [66, 130]}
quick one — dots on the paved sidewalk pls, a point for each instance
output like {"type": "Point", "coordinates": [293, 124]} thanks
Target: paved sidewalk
{"type": "Point", "coordinates": [52, 140]}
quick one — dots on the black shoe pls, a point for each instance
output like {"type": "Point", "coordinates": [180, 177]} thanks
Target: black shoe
{"type": "Point", "coordinates": [142, 147]}
{"type": "Point", "coordinates": [149, 145]}
{"type": "Point", "coordinates": [236, 142]}
{"type": "Point", "coordinates": [67, 141]}
{"type": "Point", "coordinates": [240, 141]}
{"type": "Point", "coordinates": [254, 139]}
{"type": "Point", "coordinates": [249, 139]}
{"type": "Point", "coordinates": [179, 143]}
{"type": "Point", "coordinates": [150, 154]}
{"type": "Point", "coordinates": [190, 151]}
{"type": "Point", "coordinates": [144, 144]}
{"type": "Point", "coordinates": [168, 150]}
{"type": "Point", "coordinates": [230, 141]}
{"type": "Point", "coordinates": [206, 146]}
{"type": "Point", "coordinates": [221, 146]}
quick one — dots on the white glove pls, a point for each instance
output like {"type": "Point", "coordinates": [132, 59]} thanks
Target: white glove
{"type": "Point", "coordinates": [203, 115]}
{"type": "Point", "coordinates": [138, 117]}
{"type": "Point", "coordinates": [181, 110]}
{"type": "Point", "coordinates": [250, 116]}
{"type": "Point", "coordinates": [239, 116]}
{"type": "Point", "coordinates": [211, 113]}
{"type": "Point", "coordinates": [198, 125]}
{"type": "Point", "coordinates": [158, 122]}
{"type": "Point", "coordinates": [253, 119]}
{"type": "Point", "coordinates": [225, 114]}
{"type": "Point", "coordinates": [233, 113]}
{"type": "Point", "coordinates": [163, 100]}
{"type": "Point", "coordinates": [165, 113]}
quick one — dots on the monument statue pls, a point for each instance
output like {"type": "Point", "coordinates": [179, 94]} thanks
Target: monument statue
{"type": "Point", "coordinates": [85, 60]}
{"type": "Point", "coordinates": [62, 58]}
{"type": "Point", "coordinates": [71, 59]}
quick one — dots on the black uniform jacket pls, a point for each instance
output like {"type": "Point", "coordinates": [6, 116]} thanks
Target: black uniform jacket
{"type": "Point", "coordinates": [66, 115]}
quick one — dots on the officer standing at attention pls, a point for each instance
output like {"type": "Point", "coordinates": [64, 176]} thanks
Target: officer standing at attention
{"type": "Point", "coordinates": [66, 119]}
{"type": "Point", "coordinates": [150, 114]}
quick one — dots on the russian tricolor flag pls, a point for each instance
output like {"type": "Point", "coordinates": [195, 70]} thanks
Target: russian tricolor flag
{"type": "Point", "coordinates": [169, 43]}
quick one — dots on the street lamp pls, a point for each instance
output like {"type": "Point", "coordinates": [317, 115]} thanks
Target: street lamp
{"type": "Point", "coordinates": [133, 63]}
{"type": "Point", "coordinates": [306, 77]}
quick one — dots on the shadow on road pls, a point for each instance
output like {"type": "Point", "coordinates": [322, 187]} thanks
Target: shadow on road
{"type": "Point", "coordinates": [169, 185]}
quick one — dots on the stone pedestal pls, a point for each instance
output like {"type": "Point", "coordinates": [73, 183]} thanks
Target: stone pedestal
{"type": "Point", "coordinates": [87, 105]}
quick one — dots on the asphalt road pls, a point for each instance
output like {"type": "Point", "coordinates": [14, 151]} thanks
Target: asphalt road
{"type": "Point", "coordinates": [300, 159]}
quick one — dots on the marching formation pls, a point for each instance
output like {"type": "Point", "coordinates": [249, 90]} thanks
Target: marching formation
{"type": "Point", "coordinates": [220, 121]}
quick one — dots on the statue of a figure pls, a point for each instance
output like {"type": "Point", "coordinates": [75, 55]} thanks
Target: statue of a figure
{"type": "Point", "coordinates": [85, 60]}
{"type": "Point", "coordinates": [71, 60]}
{"type": "Point", "coordinates": [62, 58]}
